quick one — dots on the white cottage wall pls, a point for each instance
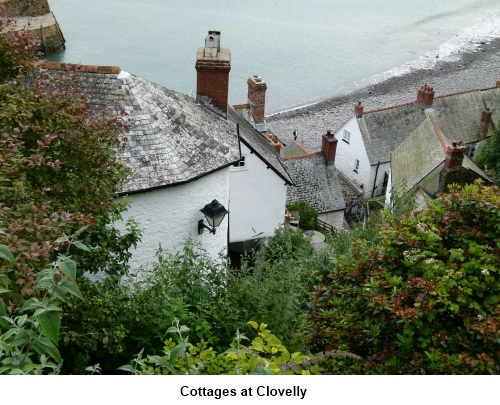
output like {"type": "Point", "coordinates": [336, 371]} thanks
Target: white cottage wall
{"type": "Point", "coordinates": [170, 216]}
{"type": "Point", "coordinates": [348, 153]}
{"type": "Point", "coordinates": [383, 167]}
{"type": "Point", "coordinates": [257, 199]}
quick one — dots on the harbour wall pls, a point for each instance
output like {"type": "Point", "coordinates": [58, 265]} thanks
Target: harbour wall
{"type": "Point", "coordinates": [16, 8]}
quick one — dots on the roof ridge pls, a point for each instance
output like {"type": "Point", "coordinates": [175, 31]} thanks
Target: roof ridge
{"type": "Point", "coordinates": [390, 107]}
{"type": "Point", "coordinates": [438, 132]}
{"type": "Point", "coordinates": [416, 101]}
{"type": "Point", "coordinates": [457, 93]}
{"type": "Point", "coordinates": [81, 68]}
{"type": "Point", "coordinates": [308, 154]}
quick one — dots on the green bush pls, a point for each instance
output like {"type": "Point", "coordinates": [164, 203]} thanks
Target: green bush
{"type": "Point", "coordinates": [308, 214]}
{"type": "Point", "coordinates": [276, 288]}
{"type": "Point", "coordinates": [490, 155]}
{"type": "Point", "coordinates": [203, 293]}
{"type": "Point", "coordinates": [264, 355]}
{"type": "Point", "coordinates": [426, 301]}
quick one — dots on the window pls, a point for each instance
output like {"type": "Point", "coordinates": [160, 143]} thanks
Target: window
{"type": "Point", "coordinates": [240, 164]}
{"type": "Point", "coordinates": [347, 136]}
{"type": "Point", "coordinates": [356, 166]}
{"type": "Point", "coordinates": [471, 150]}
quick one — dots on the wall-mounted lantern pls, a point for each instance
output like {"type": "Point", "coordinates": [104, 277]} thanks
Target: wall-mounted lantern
{"type": "Point", "coordinates": [214, 213]}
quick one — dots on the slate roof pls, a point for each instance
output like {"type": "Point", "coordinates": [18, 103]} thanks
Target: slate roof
{"type": "Point", "coordinates": [422, 153]}
{"type": "Point", "coordinates": [315, 183]}
{"type": "Point", "coordinates": [258, 144]}
{"type": "Point", "coordinates": [458, 115]}
{"type": "Point", "coordinates": [383, 131]}
{"type": "Point", "coordinates": [173, 140]}
{"type": "Point", "coordinates": [417, 156]}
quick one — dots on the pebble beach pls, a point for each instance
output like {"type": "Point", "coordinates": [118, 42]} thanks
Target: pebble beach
{"type": "Point", "coordinates": [478, 69]}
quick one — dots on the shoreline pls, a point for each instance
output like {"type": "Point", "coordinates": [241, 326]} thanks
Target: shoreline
{"type": "Point", "coordinates": [476, 69]}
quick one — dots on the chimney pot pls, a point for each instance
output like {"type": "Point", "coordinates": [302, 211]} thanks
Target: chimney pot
{"type": "Point", "coordinates": [455, 155]}
{"type": "Point", "coordinates": [257, 97]}
{"type": "Point", "coordinates": [426, 94]}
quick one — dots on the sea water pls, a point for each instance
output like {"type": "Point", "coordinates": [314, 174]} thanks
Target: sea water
{"type": "Point", "coordinates": [306, 51]}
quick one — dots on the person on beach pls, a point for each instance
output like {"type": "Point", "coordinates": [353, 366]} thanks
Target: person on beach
{"type": "Point", "coordinates": [295, 134]}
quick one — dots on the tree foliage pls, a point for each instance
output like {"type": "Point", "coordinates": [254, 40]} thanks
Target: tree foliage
{"type": "Point", "coordinates": [265, 354]}
{"type": "Point", "coordinates": [308, 214]}
{"type": "Point", "coordinates": [490, 155]}
{"type": "Point", "coordinates": [58, 168]}
{"type": "Point", "coordinates": [17, 50]}
{"type": "Point", "coordinates": [29, 344]}
{"type": "Point", "coordinates": [426, 300]}
{"type": "Point", "coordinates": [59, 175]}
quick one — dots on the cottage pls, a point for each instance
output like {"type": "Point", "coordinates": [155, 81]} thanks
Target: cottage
{"type": "Point", "coordinates": [369, 137]}
{"type": "Point", "coordinates": [427, 162]}
{"type": "Point", "coordinates": [316, 180]}
{"type": "Point", "coordinates": [258, 181]}
{"type": "Point", "coordinates": [180, 154]}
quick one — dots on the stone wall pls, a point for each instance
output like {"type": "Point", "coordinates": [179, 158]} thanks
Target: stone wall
{"type": "Point", "coordinates": [36, 17]}
{"type": "Point", "coordinates": [51, 37]}
{"type": "Point", "coordinates": [353, 195]}
{"type": "Point", "coordinates": [15, 8]}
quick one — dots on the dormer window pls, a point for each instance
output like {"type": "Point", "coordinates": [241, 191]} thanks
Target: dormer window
{"type": "Point", "coordinates": [346, 137]}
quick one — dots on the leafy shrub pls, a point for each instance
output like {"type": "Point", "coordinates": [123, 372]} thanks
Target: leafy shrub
{"type": "Point", "coordinates": [265, 355]}
{"type": "Point", "coordinates": [308, 214]}
{"type": "Point", "coordinates": [490, 155]}
{"type": "Point", "coordinates": [426, 300]}
{"type": "Point", "coordinates": [34, 329]}
{"type": "Point", "coordinates": [275, 289]}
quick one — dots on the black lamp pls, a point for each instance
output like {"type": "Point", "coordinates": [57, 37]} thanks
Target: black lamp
{"type": "Point", "coordinates": [214, 213]}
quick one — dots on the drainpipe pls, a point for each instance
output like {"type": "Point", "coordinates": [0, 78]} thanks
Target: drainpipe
{"type": "Point", "coordinates": [375, 182]}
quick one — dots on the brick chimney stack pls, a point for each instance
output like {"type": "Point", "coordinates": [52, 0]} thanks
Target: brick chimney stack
{"type": "Point", "coordinates": [213, 65]}
{"type": "Point", "coordinates": [358, 110]}
{"type": "Point", "coordinates": [329, 147]}
{"type": "Point", "coordinates": [257, 97]}
{"type": "Point", "coordinates": [485, 123]}
{"type": "Point", "coordinates": [455, 155]}
{"type": "Point", "coordinates": [426, 94]}
{"type": "Point", "coordinates": [276, 143]}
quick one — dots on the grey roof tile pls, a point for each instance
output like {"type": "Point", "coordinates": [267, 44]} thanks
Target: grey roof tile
{"type": "Point", "coordinates": [383, 131]}
{"type": "Point", "coordinates": [457, 115]}
{"type": "Point", "coordinates": [261, 146]}
{"type": "Point", "coordinates": [165, 133]}
{"type": "Point", "coordinates": [417, 156]}
{"type": "Point", "coordinates": [421, 154]}
{"type": "Point", "coordinates": [315, 183]}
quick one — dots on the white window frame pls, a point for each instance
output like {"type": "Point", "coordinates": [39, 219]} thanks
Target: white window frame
{"type": "Point", "coordinates": [347, 136]}
{"type": "Point", "coordinates": [240, 164]}
{"type": "Point", "coordinates": [356, 166]}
